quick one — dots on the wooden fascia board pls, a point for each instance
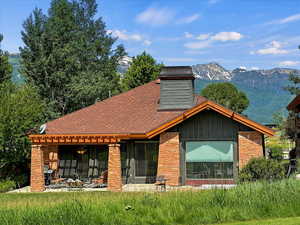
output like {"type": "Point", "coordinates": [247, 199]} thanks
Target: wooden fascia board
{"type": "Point", "coordinates": [211, 105]}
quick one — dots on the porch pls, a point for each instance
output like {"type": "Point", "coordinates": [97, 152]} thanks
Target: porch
{"type": "Point", "coordinates": [85, 165]}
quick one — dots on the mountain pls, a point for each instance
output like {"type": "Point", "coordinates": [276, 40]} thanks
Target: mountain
{"type": "Point", "coordinates": [264, 88]}
{"type": "Point", "coordinates": [14, 59]}
{"type": "Point", "coordinates": [211, 71]}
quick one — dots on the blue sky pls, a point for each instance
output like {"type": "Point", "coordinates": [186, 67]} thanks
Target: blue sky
{"type": "Point", "coordinates": [235, 33]}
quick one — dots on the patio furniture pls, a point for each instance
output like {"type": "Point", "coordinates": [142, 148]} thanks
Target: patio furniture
{"type": "Point", "coordinates": [161, 183]}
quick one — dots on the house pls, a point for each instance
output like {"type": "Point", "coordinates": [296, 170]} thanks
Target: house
{"type": "Point", "coordinates": [293, 128]}
{"type": "Point", "coordinates": [158, 129]}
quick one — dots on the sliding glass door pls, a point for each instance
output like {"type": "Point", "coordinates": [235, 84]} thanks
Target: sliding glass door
{"type": "Point", "coordinates": [209, 159]}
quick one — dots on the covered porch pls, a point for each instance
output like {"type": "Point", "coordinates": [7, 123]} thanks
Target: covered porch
{"type": "Point", "coordinates": [75, 160]}
{"type": "Point", "coordinates": [92, 162]}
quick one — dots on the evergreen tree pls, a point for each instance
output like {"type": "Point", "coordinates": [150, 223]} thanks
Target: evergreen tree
{"type": "Point", "coordinates": [68, 56]}
{"type": "Point", "coordinates": [5, 67]}
{"type": "Point", "coordinates": [226, 94]}
{"type": "Point", "coordinates": [143, 69]}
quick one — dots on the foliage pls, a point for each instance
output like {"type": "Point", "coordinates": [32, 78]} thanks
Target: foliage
{"type": "Point", "coordinates": [142, 70]}
{"type": "Point", "coordinates": [68, 56]}
{"type": "Point", "coordinates": [245, 202]}
{"type": "Point", "coordinates": [294, 87]}
{"type": "Point", "coordinates": [7, 185]}
{"type": "Point", "coordinates": [276, 154]}
{"type": "Point", "coordinates": [21, 110]}
{"type": "Point", "coordinates": [5, 67]}
{"type": "Point", "coordinates": [262, 169]}
{"type": "Point", "coordinates": [226, 94]}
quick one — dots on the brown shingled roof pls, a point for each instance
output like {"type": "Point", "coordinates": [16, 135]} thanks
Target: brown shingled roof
{"type": "Point", "coordinates": [132, 112]}
{"type": "Point", "coordinates": [135, 112]}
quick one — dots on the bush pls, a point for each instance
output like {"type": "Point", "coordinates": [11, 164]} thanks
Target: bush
{"type": "Point", "coordinates": [276, 153]}
{"type": "Point", "coordinates": [7, 185]}
{"type": "Point", "coordinates": [262, 169]}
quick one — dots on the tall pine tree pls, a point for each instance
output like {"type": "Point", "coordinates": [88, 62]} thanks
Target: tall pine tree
{"type": "Point", "coordinates": [68, 55]}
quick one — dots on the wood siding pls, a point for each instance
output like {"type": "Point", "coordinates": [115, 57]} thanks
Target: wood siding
{"type": "Point", "coordinates": [205, 126]}
{"type": "Point", "coordinates": [176, 94]}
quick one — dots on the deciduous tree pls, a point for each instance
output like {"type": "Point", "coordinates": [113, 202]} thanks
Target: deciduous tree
{"type": "Point", "coordinates": [143, 69]}
{"type": "Point", "coordinates": [68, 56]}
{"type": "Point", "coordinates": [226, 94]}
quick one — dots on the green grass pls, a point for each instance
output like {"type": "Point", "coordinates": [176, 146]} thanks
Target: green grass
{"type": "Point", "coordinates": [281, 221]}
{"type": "Point", "coordinates": [246, 202]}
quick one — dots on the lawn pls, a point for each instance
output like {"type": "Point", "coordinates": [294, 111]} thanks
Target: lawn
{"type": "Point", "coordinates": [281, 221]}
{"type": "Point", "coordinates": [252, 202]}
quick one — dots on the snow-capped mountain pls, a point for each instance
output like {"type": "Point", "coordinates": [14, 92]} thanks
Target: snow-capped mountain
{"type": "Point", "coordinates": [211, 71]}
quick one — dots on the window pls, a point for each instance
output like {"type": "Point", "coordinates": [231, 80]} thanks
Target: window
{"type": "Point", "coordinates": [209, 159]}
{"type": "Point", "coordinates": [146, 159]}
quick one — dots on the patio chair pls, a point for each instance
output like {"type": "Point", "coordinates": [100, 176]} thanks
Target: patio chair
{"type": "Point", "coordinates": [161, 183]}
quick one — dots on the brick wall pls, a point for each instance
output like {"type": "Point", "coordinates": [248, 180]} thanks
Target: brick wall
{"type": "Point", "coordinates": [51, 157]}
{"type": "Point", "coordinates": [169, 157]}
{"type": "Point", "coordinates": [250, 146]}
{"type": "Point", "coordinates": [114, 179]}
{"type": "Point", "coordinates": [37, 182]}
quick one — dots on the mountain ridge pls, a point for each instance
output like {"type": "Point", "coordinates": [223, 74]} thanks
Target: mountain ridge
{"type": "Point", "coordinates": [264, 88]}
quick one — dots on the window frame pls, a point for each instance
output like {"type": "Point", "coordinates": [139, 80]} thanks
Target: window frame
{"type": "Point", "coordinates": [184, 145]}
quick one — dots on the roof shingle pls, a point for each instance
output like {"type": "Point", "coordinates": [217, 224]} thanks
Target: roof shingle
{"type": "Point", "coordinates": [132, 112]}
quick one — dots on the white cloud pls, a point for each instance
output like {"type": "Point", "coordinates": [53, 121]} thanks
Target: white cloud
{"type": "Point", "coordinates": [125, 36]}
{"type": "Point", "coordinates": [254, 68]}
{"type": "Point", "coordinates": [289, 19]}
{"type": "Point", "coordinates": [198, 44]}
{"type": "Point", "coordinates": [188, 19]}
{"type": "Point", "coordinates": [243, 67]}
{"type": "Point", "coordinates": [273, 48]}
{"type": "Point", "coordinates": [227, 36]}
{"type": "Point", "coordinates": [289, 63]}
{"type": "Point", "coordinates": [188, 35]}
{"type": "Point", "coordinates": [203, 36]}
{"type": "Point", "coordinates": [180, 59]}
{"type": "Point", "coordinates": [147, 42]}
{"type": "Point", "coordinates": [155, 16]}
{"type": "Point", "coordinates": [206, 39]}
{"type": "Point", "coordinates": [271, 51]}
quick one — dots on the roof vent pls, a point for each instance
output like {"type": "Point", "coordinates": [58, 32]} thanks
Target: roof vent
{"type": "Point", "coordinates": [176, 88]}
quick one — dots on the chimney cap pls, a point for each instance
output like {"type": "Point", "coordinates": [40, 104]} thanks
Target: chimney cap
{"type": "Point", "coordinates": [176, 72]}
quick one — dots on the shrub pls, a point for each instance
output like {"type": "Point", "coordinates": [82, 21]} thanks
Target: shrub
{"type": "Point", "coordinates": [276, 153]}
{"type": "Point", "coordinates": [262, 169]}
{"type": "Point", "coordinates": [7, 185]}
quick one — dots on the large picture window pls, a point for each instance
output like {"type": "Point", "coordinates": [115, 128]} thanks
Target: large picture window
{"type": "Point", "coordinates": [209, 159]}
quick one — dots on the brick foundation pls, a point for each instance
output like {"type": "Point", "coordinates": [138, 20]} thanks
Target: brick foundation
{"type": "Point", "coordinates": [114, 180]}
{"type": "Point", "coordinates": [169, 158]}
{"type": "Point", "coordinates": [250, 146]}
{"type": "Point", "coordinates": [37, 180]}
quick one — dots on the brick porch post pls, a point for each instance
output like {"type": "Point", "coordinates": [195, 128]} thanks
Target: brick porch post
{"type": "Point", "coordinates": [37, 180]}
{"type": "Point", "coordinates": [169, 157]}
{"type": "Point", "coordinates": [114, 178]}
